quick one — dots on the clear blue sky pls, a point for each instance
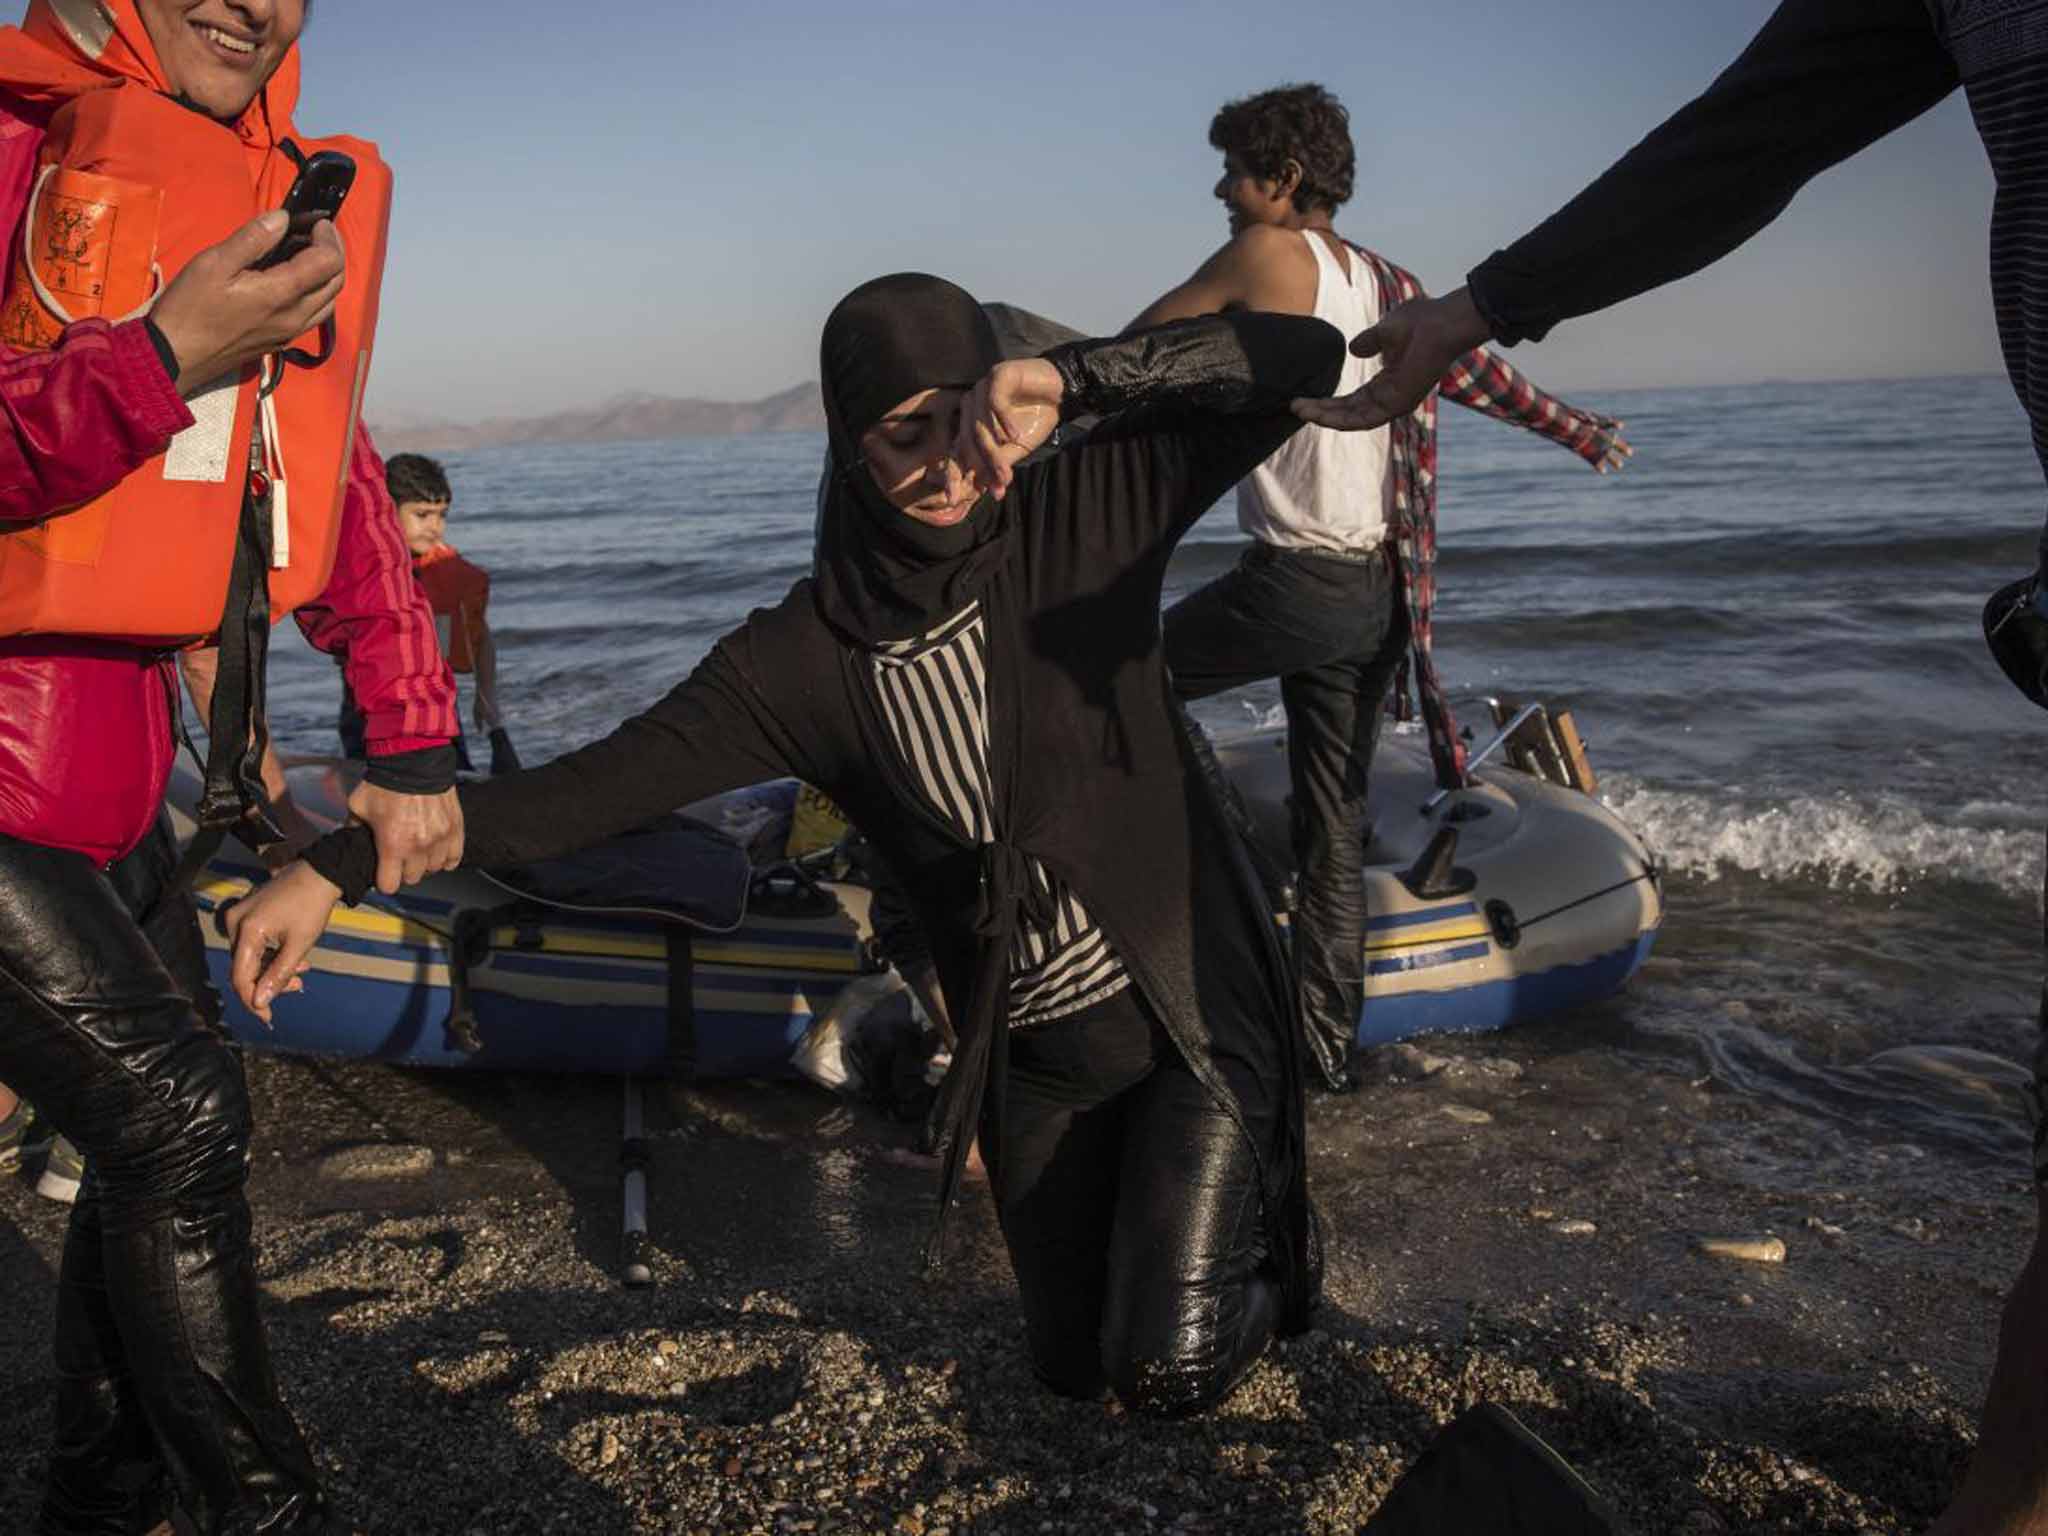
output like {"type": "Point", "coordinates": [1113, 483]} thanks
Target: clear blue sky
{"type": "Point", "coordinates": [668, 196]}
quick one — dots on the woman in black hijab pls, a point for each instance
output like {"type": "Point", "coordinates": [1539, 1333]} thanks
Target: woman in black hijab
{"type": "Point", "coordinates": [973, 673]}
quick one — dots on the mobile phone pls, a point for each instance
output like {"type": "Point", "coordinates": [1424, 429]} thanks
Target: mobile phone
{"type": "Point", "coordinates": [317, 194]}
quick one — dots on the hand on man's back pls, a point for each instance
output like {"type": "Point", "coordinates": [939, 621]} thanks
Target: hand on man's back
{"type": "Point", "coordinates": [1416, 344]}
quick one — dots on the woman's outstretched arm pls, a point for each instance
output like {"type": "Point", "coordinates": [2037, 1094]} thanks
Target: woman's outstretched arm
{"type": "Point", "coordinates": [1196, 405]}
{"type": "Point", "coordinates": [710, 734]}
{"type": "Point", "coordinates": [1199, 402]}
{"type": "Point", "coordinates": [1227, 380]}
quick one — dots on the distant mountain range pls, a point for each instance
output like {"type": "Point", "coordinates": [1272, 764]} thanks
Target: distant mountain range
{"type": "Point", "coordinates": [639, 416]}
{"type": "Point", "coordinates": [796, 409]}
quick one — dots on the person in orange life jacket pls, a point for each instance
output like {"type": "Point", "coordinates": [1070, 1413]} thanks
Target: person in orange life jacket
{"type": "Point", "coordinates": [165, 1393]}
{"type": "Point", "coordinates": [1318, 600]}
{"type": "Point", "coordinates": [458, 591]}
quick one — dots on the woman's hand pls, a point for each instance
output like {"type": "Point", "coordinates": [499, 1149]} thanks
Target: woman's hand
{"type": "Point", "coordinates": [1010, 412]}
{"type": "Point", "coordinates": [222, 312]}
{"type": "Point", "coordinates": [273, 929]}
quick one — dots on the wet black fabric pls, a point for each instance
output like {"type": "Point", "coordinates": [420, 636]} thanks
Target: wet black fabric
{"type": "Point", "coordinates": [1130, 1204]}
{"type": "Point", "coordinates": [1096, 779]}
{"type": "Point", "coordinates": [163, 1369]}
{"type": "Point", "coordinates": [881, 574]}
{"type": "Point", "coordinates": [1333, 631]}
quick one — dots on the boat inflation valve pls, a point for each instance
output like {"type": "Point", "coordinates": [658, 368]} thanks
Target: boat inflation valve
{"type": "Point", "coordinates": [1435, 873]}
{"type": "Point", "coordinates": [1507, 928]}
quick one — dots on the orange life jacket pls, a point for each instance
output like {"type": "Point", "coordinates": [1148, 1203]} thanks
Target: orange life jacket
{"type": "Point", "coordinates": [132, 185]}
{"type": "Point", "coordinates": [458, 592]}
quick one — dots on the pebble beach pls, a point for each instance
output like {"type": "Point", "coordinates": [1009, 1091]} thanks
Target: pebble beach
{"type": "Point", "coordinates": [439, 1255]}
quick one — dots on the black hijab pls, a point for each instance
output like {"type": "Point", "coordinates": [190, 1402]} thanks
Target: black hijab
{"type": "Point", "coordinates": [880, 574]}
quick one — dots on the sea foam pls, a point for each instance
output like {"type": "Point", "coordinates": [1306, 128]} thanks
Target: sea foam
{"type": "Point", "coordinates": [1842, 840]}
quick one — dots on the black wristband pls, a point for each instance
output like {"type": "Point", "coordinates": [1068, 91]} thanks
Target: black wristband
{"type": "Point", "coordinates": [162, 343]}
{"type": "Point", "coordinates": [426, 771]}
{"type": "Point", "coordinates": [346, 857]}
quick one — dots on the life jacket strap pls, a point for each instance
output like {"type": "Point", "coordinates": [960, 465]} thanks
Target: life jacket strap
{"type": "Point", "coordinates": [237, 732]}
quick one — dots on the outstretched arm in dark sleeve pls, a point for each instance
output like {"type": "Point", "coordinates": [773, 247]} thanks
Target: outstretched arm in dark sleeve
{"type": "Point", "coordinates": [1823, 79]}
{"type": "Point", "coordinates": [711, 733]}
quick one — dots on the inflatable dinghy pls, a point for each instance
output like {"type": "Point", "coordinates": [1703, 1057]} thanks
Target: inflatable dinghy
{"type": "Point", "coordinates": [697, 948]}
{"type": "Point", "coordinates": [1494, 905]}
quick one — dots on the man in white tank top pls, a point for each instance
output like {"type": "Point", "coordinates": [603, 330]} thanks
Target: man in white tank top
{"type": "Point", "coordinates": [1316, 600]}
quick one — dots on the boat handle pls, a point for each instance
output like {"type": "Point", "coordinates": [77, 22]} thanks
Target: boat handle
{"type": "Point", "coordinates": [1500, 739]}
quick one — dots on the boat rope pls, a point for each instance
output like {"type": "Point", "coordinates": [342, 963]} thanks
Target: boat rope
{"type": "Point", "coordinates": [1525, 924]}
{"type": "Point", "coordinates": [392, 909]}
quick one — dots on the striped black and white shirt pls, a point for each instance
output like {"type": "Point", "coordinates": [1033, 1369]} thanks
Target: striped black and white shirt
{"type": "Point", "coordinates": [933, 695]}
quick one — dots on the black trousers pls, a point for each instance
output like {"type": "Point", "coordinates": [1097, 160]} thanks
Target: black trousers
{"type": "Point", "coordinates": [1130, 1203]}
{"type": "Point", "coordinates": [1333, 631]}
{"type": "Point", "coordinates": [163, 1372]}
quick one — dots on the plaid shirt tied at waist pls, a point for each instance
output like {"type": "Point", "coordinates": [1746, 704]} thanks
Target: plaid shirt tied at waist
{"type": "Point", "coordinates": [1480, 381]}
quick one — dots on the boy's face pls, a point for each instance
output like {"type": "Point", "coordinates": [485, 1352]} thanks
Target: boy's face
{"type": "Point", "coordinates": [1249, 198]}
{"type": "Point", "coordinates": [423, 523]}
{"type": "Point", "coordinates": [219, 53]}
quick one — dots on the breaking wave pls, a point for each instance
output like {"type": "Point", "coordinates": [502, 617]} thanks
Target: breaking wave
{"type": "Point", "coordinates": [1842, 841]}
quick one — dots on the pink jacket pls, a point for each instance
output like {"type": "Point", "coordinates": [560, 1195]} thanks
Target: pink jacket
{"type": "Point", "coordinates": [86, 736]}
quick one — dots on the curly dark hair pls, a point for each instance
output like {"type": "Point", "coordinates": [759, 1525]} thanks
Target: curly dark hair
{"type": "Point", "coordinates": [1302, 123]}
{"type": "Point", "coordinates": [415, 477]}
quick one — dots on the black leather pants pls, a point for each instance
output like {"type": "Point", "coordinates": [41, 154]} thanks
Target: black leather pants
{"type": "Point", "coordinates": [164, 1375]}
{"type": "Point", "coordinates": [1130, 1204]}
{"type": "Point", "coordinates": [1333, 632]}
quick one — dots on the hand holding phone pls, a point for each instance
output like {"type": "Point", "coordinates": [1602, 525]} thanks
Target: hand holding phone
{"type": "Point", "coordinates": [219, 316]}
{"type": "Point", "coordinates": [318, 193]}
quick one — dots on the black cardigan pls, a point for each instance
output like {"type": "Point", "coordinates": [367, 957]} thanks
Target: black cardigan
{"type": "Point", "coordinates": [1101, 785]}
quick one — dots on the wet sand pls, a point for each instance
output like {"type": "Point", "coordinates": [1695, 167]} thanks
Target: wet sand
{"type": "Point", "coordinates": [1512, 1218]}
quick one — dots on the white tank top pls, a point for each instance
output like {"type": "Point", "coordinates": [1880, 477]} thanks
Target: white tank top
{"type": "Point", "coordinates": [1324, 489]}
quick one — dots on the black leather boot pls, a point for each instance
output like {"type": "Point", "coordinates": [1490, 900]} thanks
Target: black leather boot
{"type": "Point", "coordinates": [200, 1362]}
{"type": "Point", "coordinates": [105, 1476]}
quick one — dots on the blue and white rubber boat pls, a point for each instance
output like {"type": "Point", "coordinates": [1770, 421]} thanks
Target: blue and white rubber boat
{"type": "Point", "coordinates": [688, 951]}
{"type": "Point", "coordinates": [1495, 905]}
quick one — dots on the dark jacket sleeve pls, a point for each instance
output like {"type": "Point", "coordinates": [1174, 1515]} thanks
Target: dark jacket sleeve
{"type": "Point", "coordinates": [1823, 79]}
{"type": "Point", "coordinates": [710, 734]}
{"type": "Point", "coordinates": [1203, 401]}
